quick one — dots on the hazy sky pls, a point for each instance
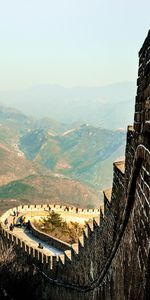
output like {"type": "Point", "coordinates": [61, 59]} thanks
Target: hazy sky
{"type": "Point", "coordinates": [70, 42]}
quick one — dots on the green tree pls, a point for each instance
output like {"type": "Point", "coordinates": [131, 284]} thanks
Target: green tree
{"type": "Point", "coordinates": [53, 221]}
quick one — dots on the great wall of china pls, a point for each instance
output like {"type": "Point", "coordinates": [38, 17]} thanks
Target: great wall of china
{"type": "Point", "coordinates": [112, 259]}
{"type": "Point", "coordinates": [20, 237]}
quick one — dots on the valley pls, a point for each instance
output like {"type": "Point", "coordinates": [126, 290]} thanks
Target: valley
{"type": "Point", "coordinates": [44, 160]}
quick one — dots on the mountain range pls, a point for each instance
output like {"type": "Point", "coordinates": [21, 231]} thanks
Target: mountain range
{"type": "Point", "coordinates": [108, 106]}
{"type": "Point", "coordinates": [36, 154]}
{"type": "Point", "coordinates": [78, 153]}
{"type": "Point", "coordinates": [23, 180]}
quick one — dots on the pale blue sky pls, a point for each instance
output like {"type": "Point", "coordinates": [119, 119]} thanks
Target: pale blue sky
{"type": "Point", "coordinates": [70, 42]}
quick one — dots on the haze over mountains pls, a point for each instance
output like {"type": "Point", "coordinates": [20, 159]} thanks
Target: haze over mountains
{"type": "Point", "coordinates": [107, 106]}
{"type": "Point", "coordinates": [27, 181]}
{"type": "Point", "coordinates": [38, 154]}
{"type": "Point", "coordinates": [80, 133]}
{"type": "Point", "coordinates": [78, 153]}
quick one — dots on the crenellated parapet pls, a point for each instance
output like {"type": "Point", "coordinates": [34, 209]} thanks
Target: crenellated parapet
{"type": "Point", "coordinates": [41, 259]}
{"type": "Point", "coordinates": [142, 105]}
{"type": "Point", "coordinates": [48, 262]}
{"type": "Point", "coordinates": [57, 207]}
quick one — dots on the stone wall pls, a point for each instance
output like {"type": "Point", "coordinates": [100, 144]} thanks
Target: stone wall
{"type": "Point", "coordinates": [54, 242]}
{"type": "Point", "coordinates": [142, 105]}
{"type": "Point", "coordinates": [127, 276]}
{"type": "Point", "coordinates": [57, 207]}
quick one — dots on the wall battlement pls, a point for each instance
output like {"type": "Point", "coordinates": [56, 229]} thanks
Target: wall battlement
{"type": "Point", "coordinates": [111, 261]}
{"type": "Point", "coordinates": [56, 207]}
{"type": "Point", "coordinates": [48, 263]}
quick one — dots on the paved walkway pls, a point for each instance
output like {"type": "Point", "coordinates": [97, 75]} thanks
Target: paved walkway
{"type": "Point", "coordinates": [33, 241]}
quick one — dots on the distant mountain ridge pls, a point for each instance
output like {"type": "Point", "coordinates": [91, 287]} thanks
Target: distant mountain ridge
{"type": "Point", "coordinates": [107, 106]}
{"type": "Point", "coordinates": [27, 181]}
{"type": "Point", "coordinates": [50, 189]}
{"type": "Point", "coordinates": [75, 152]}
{"type": "Point", "coordinates": [36, 153]}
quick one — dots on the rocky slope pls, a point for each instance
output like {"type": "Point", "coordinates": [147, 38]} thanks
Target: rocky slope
{"type": "Point", "coordinates": [50, 189]}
